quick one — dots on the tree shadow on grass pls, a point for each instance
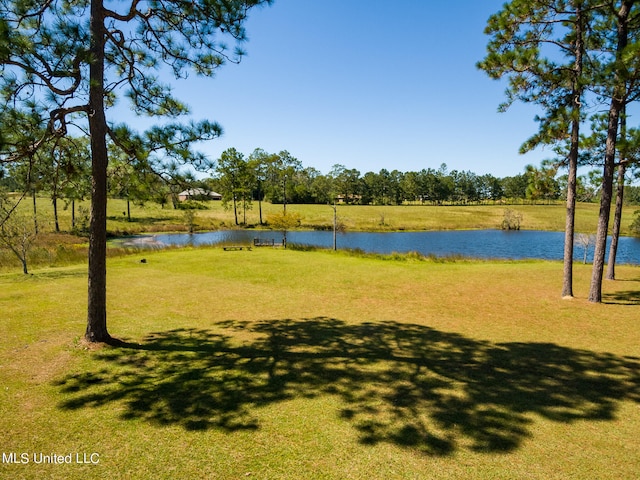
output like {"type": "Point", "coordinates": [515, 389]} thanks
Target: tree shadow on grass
{"type": "Point", "coordinates": [408, 385]}
{"type": "Point", "coordinates": [627, 297]}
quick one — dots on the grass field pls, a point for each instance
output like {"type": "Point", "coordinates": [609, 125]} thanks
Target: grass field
{"type": "Point", "coordinates": [152, 217]}
{"type": "Point", "coordinates": [372, 218]}
{"type": "Point", "coordinates": [279, 364]}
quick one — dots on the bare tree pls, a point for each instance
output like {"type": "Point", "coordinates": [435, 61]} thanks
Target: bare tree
{"type": "Point", "coordinates": [585, 241]}
{"type": "Point", "coordinates": [18, 233]}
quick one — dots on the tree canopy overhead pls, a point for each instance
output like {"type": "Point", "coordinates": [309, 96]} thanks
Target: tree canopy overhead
{"type": "Point", "coordinates": [47, 49]}
{"type": "Point", "coordinates": [64, 64]}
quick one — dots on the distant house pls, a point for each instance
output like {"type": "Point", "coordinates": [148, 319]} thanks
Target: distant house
{"type": "Point", "coordinates": [198, 194]}
{"type": "Point", "coordinates": [351, 198]}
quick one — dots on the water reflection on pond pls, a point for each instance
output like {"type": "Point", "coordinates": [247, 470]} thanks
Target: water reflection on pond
{"type": "Point", "coordinates": [470, 243]}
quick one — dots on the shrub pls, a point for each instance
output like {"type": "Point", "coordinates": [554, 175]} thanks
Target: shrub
{"type": "Point", "coordinates": [191, 205]}
{"type": "Point", "coordinates": [511, 220]}
{"type": "Point", "coordinates": [189, 217]}
{"type": "Point", "coordinates": [635, 225]}
{"type": "Point", "coordinates": [81, 224]}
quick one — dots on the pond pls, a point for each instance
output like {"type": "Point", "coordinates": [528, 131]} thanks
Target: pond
{"type": "Point", "coordinates": [488, 244]}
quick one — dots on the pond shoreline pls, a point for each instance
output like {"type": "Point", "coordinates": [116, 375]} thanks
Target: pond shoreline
{"type": "Point", "coordinates": [481, 244]}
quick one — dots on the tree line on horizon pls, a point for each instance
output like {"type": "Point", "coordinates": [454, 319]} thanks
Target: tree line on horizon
{"type": "Point", "coordinates": [279, 177]}
{"type": "Point", "coordinates": [65, 64]}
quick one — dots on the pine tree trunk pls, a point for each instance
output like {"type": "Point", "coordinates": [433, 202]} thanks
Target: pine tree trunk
{"type": "Point", "coordinates": [616, 107]}
{"type": "Point", "coordinates": [569, 231]}
{"type": "Point", "coordinates": [617, 221]}
{"type": "Point", "coordinates": [235, 209]}
{"type": "Point", "coordinates": [55, 213]}
{"type": "Point", "coordinates": [97, 290]}
{"type": "Point", "coordinates": [35, 211]}
{"type": "Point", "coordinates": [595, 290]}
{"type": "Point", "coordinates": [244, 210]}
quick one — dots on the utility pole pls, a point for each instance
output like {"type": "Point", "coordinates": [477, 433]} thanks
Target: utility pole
{"type": "Point", "coordinates": [335, 225]}
{"type": "Point", "coordinates": [284, 194]}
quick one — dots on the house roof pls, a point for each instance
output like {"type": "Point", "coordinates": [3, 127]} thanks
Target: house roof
{"type": "Point", "coordinates": [196, 192]}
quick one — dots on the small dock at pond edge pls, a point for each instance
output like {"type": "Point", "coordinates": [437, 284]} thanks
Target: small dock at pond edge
{"type": "Point", "coordinates": [258, 242]}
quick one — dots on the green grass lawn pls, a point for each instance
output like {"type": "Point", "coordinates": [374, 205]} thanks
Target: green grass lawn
{"type": "Point", "coordinates": [278, 364]}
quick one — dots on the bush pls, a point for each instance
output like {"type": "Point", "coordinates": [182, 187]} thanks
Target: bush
{"type": "Point", "coordinates": [190, 220]}
{"type": "Point", "coordinates": [191, 205]}
{"type": "Point", "coordinates": [511, 220]}
{"type": "Point", "coordinates": [303, 248]}
{"type": "Point", "coordinates": [82, 221]}
{"type": "Point", "coordinates": [635, 225]}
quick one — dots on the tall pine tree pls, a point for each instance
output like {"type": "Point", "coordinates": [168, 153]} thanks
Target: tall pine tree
{"type": "Point", "coordinates": [540, 47]}
{"type": "Point", "coordinates": [65, 63]}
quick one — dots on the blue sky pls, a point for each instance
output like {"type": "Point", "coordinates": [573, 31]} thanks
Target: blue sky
{"type": "Point", "coordinates": [369, 84]}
